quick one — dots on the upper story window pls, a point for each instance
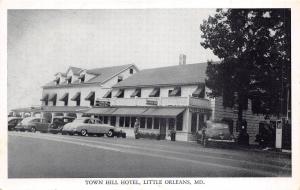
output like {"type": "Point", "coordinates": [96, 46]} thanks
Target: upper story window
{"type": "Point", "coordinates": [57, 79]}
{"type": "Point", "coordinates": [199, 92]}
{"type": "Point", "coordinates": [131, 71]}
{"type": "Point", "coordinates": [69, 79]}
{"type": "Point", "coordinates": [81, 78]}
{"type": "Point", "coordinates": [120, 78]}
{"type": "Point", "coordinates": [155, 92]}
{"type": "Point", "coordinates": [175, 92]}
{"type": "Point", "coordinates": [120, 93]}
{"type": "Point", "coordinates": [136, 93]}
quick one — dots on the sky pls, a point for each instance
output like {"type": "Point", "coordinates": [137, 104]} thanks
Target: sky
{"type": "Point", "coordinates": [41, 43]}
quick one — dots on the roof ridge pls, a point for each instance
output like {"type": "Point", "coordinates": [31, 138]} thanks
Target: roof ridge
{"type": "Point", "coordinates": [175, 66]}
{"type": "Point", "coordinates": [109, 67]}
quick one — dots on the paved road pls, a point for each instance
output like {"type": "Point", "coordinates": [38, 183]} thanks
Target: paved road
{"type": "Point", "coordinates": [35, 155]}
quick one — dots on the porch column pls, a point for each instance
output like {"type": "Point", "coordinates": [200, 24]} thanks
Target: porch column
{"type": "Point", "coordinates": [117, 121]}
{"type": "Point", "coordinates": [78, 115]}
{"type": "Point", "coordinates": [197, 123]}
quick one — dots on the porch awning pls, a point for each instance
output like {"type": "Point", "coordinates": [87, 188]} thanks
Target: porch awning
{"type": "Point", "coordinates": [91, 96]}
{"type": "Point", "coordinates": [107, 94]}
{"type": "Point", "coordinates": [129, 111]}
{"type": "Point", "coordinates": [45, 97]}
{"type": "Point", "coordinates": [163, 112]}
{"type": "Point", "coordinates": [52, 97]}
{"type": "Point", "coordinates": [72, 109]}
{"type": "Point", "coordinates": [64, 97]}
{"type": "Point", "coordinates": [154, 93]}
{"type": "Point", "coordinates": [76, 97]}
{"type": "Point", "coordinates": [101, 111]}
{"type": "Point", "coordinates": [136, 93]}
{"type": "Point", "coordinates": [199, 92]}
{"type": "Point", "coordinates": [175, 92]}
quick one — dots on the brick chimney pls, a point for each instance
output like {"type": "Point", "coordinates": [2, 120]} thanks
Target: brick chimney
{"type": "Point", "coordinates": [182, 59]}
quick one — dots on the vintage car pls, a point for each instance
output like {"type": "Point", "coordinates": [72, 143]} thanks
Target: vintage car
{"type": "Point", "coordinates": [58, 122]}
{"type": "Point", "coordinates": [27, 124]}
{"type": "Point", "coordinates": [85, 126]}
{"type": "Point", "coordinates": [217, 133]}
{"type": "Point", "coordinates": [12, 122]}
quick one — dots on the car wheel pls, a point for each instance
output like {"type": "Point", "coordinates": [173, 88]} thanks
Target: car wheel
{"type": "Point", "coordinates": [83, 132]}
{"type": "Point", "coordinates": [110, 133]}
{"type": "Point", "coordinates": [33, 130]}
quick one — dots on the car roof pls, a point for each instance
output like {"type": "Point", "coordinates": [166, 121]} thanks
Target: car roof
{"type": "Point", "coordinates": [11, 118]}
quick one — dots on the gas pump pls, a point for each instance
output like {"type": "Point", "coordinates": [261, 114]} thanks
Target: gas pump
{"type": "Point", "coordinates": [278, 141]}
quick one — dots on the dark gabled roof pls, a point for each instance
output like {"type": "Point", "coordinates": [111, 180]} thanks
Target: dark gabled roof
{"type": "Point", "coordinates": [163, 76]}
{"type": "Point", "coordinates": [105, 73]}
{"type": "Point", "coordinates": [101, 75]}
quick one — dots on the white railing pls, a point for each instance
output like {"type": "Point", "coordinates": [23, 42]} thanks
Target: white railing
{"type": "Point", "coordinates": [159, 101]}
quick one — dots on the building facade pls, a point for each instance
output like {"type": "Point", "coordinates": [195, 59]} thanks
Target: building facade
{"type": "Point", "coordinates": [77, 88]}
{"type": "Point", "coordinates": [163, 99]}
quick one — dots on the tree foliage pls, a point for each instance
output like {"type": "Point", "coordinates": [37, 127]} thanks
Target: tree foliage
{"type": "Point", "coordinates": [254, 46]}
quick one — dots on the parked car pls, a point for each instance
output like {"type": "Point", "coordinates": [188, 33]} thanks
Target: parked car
{"type": "Point", "coordinates": [58, 122]}
{"type": "Point", "coordinates": [27, 123]}
{"type": "Point", "coordinates": [12, 122]}
{"type": "Point", "coordinates": [215, 132]}
{"type": "Point", "coordinates": [41, 125]}
{"type": "Point", "coordinates": [84, 126]}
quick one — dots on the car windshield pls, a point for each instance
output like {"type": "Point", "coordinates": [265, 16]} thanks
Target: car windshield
{"type": "Point", "coordinates": [81, 120]}
{"type": "Point", "coordinates": [217, 126]}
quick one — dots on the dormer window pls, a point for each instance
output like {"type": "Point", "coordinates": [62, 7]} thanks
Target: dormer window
{"type": "Point", "coordinates": [131, 71]}
{"type": "Point", "coordinates": [81, 78]}
{"type": "Point", "coordinates": [136, 93]}
{"type": "Point", "coordinates": [155, 93]}
{"type": "Point", "coordinates": [120, 93]}
{"type": "Point", "coordinates": [120, 78]}
{"type": "Point", "coordinates": [175, 92]}
{"type": "Point", "coordinates": [57, 79]}
{"type": "Point", "coordinates": [69, 79]}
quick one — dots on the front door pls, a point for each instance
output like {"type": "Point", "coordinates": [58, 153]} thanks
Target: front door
{"type": "Point", "coordinates": [163, 128]}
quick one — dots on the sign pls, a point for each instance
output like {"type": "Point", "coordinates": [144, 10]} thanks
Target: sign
{"type": "Point", "coordinates": [152, 102]}
{"type": "Point", "coordinates": [103, 103]}
{"type": "Point", "coordinates": [198, 110]}
{"type": "Point", "coordinates": [278, 143]}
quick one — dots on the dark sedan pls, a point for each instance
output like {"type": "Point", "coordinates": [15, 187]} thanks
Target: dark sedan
{"type": "Point", "coordinates": [58, 122]}
{"type": "Point", "coordinates": [12, 122]}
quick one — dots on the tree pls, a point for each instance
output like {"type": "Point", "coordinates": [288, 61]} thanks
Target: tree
{"type": "Point", "coordinates": [254, 46]}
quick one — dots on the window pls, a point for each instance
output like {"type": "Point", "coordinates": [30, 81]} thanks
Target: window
{"type": "Point", "coordinates": [136, 93]}
{"type": "Point", "coordinates": [156, 123]}
{"type": "Point", "coordinates": [127, 121]}
{"type": "Point", "coordinates": [132, 122]}
{"type": "Point", "coordinates": [131, 71]}
{"type": "Point", "coordinates": [120, 93]}
{"type": "Point", "coordinates": [121, 122]}
{"type": "Point", "coordinates": [149, 123]}
{"type": "Point", "coordinates": [105, 120]}
{"type": "Point", "coordinates": [81, 78]}
{"type": "Point", "coordinates": [179, 122]}
{"type": "Point", "coordinates": [69, 79]}
{"type": "Point", "coordinates": [113, 120]}
{"type": "Point", "coordinates": [120, 78]}
{"type": "Point", "coordinates": [175, 92]}
{"type": "Point", "coordinates": [171, 123]}
{"type": "Point", "coordinates": [142, 123]}
{"type": "Point", "coordinates": [194, 122]}
{"type": "Point", "coordinates": [107, 94]}
{"type": "Point", "coordinates": [57, 80]}
{"type": "Point", "coordinates": [155, 92]}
